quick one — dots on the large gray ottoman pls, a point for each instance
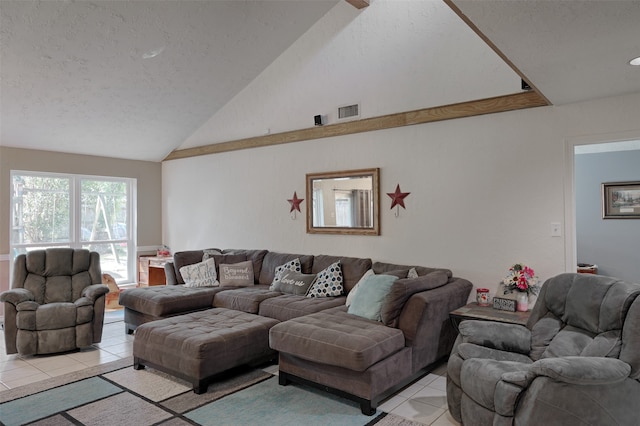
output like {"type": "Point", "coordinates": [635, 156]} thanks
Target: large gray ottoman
{"type": "Point", "coordinates": [200, 345]}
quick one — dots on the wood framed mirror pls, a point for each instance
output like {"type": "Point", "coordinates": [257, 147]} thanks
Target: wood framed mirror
{"type": "Point", "coordinates": [344, 202]}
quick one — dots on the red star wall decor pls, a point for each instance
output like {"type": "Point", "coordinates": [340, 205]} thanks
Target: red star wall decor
{"type": "Point", "coordinates": [397, 197]}
{"type": "Point", "coordinates": [295, 202]}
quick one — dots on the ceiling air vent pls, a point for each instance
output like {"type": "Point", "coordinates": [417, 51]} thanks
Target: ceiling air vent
{"type": "Point", "coordinates": [348, 112]}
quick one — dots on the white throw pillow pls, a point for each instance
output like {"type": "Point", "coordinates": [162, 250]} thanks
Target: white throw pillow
{"type": "Point", "coordinates": [412, 273]}
{"type": "Point", "coordinates": [201, 274]}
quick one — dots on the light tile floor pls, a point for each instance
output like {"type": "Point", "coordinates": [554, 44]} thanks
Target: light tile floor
{"type": "Point", "coordinates": [16, 370]}
{"type": "Point", "coordinates": [424, 401]}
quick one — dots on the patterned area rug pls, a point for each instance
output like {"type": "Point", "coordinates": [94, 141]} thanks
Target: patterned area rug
{"type": "Point", "coordinates": [115, 394]}
{"type": "Point", "coordinates": [113, 315]}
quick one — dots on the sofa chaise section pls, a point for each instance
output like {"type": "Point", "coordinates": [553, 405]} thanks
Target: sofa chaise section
{"type": "Point", "coordinates": [380, 358]}
{"type": "Point", "coordinates": [146, 304]}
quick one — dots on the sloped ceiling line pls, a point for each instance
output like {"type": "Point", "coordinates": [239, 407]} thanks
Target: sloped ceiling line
{"type": "Point", "coordinates": [493, 46]}
{"type": "Point", "coordinates": [530, 99]}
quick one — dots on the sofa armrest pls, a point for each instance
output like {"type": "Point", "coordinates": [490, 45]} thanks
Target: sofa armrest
{"type": "Point", "coordinates": [403, 289]}
{"type": "Point", "coordinates": [16, 296]}
{"type": "Point", "coordinates": [425, 322]}
{"type": "Point", "coordinates": [170, 273]}
{"type": "Point", "coordinates": [496, 335]}
{"type": "Point", "coordinates": [83, 301]}
{"type": "Point", "coordinates": [572, 370]}
{"type": "Point", "coordinates": [471, 350]}
{"type": "Point", "coordinates": [582, 370]}
{"type": "Point", "coordinates": [29, 305]}
{"type": "Point", "coordinates": [94, 291]}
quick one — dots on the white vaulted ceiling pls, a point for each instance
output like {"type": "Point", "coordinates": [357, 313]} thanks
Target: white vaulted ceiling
{"type": "Point", "coordinates": [136, 79]}
{"type": "Point", "coordinates": [571, 50]}
{"type": "Point", "coordinates": [132, 79]}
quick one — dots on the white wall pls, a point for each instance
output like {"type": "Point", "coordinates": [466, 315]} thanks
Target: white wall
{"type": "Point", "coordinates": [384, 56]}
{"type": "Point", "coordinates": [484, 191]}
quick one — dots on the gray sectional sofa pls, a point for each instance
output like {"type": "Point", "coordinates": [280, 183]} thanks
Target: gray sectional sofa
{"type": "Point", "coordinates": [317, 340]}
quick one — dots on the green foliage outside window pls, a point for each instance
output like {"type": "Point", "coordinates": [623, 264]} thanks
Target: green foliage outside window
{"type": "Point", "coordinates": [41, 209]}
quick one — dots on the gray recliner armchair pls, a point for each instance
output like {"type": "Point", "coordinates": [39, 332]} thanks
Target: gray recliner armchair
{"type": "Point", "coordinates": [577, 362]}
{"type": "Point", "coordinates": [56, 302]}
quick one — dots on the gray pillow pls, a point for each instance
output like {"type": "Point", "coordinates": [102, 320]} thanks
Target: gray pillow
{"type": "Point", "coordinates": [400, 273]}
{"type": "Point", "coordinates": [209, 253]}
{"type": "Point", "coordinates": [292, 282]}
{"type": "Point", "coordinates": [292, 265]}
{"type": "Point", "coordinates": [403, 289]}
{"type": "Point", "coordinates": [236, 275]}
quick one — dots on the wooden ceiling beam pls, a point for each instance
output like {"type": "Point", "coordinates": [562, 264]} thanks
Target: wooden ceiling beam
{"type": "Point", "coordinates": [358, 4]}
{"type": "Point", "coordinates": [493, 105]}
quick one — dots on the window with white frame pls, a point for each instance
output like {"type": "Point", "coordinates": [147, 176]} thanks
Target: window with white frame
{"type": "Point", "coordinates": [62, 210]}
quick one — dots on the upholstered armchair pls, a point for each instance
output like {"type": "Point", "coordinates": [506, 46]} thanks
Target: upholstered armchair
{"type": "Point", "coordinates": [577, 362]}
{"type": "Point", "coordinates": [56, 302]}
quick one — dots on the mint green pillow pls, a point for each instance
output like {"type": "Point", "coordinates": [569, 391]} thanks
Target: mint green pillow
{"type": "Point", "coordinates": [367, 302]}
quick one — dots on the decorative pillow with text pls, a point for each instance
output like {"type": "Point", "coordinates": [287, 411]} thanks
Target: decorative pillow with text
{"type": "Point", "coordinates": [295, 283]}
{"type": "Point", "coordinates": [201, 274]}
{"type": "Point", "coordinates": [293, 265]}
{"type": "Point", "coordinates": [237, 274]}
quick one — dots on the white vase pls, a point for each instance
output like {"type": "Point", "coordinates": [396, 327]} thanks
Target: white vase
{"type": "Point", "coordinates": [522, 301]}
{"type": "Point", "coordinates": [533, 298]}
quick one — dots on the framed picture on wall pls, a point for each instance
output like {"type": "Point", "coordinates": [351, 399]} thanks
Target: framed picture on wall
{"type": "Point", "coordinates": [621, 200]}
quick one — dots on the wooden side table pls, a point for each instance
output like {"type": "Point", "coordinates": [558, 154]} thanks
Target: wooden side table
{"type": "Point", "coordinates": [486, 313]}
{"type": "Point", "coordinates": [151, 270]}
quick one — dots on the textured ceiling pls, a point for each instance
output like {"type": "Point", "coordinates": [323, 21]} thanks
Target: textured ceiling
{"type": "Point", "coordinates": [134, 79]}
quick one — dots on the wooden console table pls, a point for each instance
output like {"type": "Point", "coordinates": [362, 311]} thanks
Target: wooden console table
{"type": "Point", "coordinates": [486, 313]}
